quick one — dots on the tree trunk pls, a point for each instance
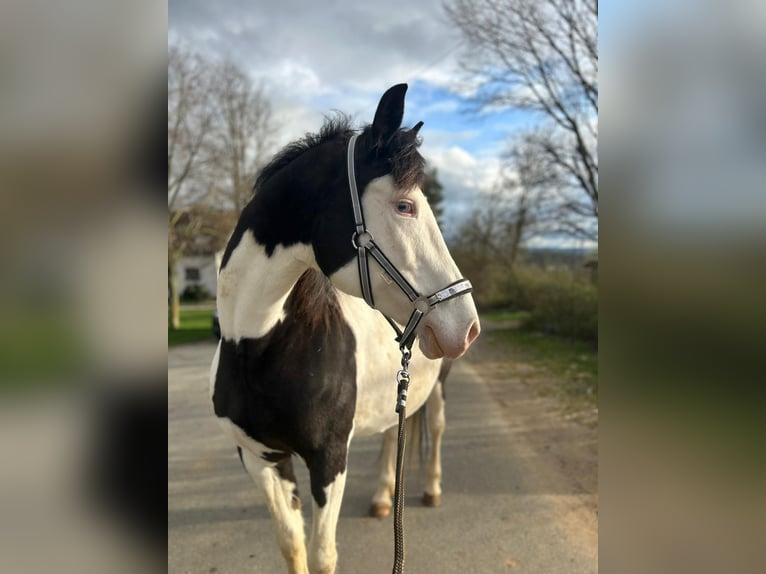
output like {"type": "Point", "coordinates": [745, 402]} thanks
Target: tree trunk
{"type": "Point", "coordinates": [174, 303]}
{"type": "Point", "coordinates": [518, 233]}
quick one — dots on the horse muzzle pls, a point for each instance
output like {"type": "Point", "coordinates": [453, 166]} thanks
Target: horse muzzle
{"type": "Point", "coordinates": [436, 342]}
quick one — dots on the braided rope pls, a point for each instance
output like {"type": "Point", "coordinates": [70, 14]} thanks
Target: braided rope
{"type": "Point", "coordinates": [399, 498]}
{"type": "Point", "coordinates": [403, 383]}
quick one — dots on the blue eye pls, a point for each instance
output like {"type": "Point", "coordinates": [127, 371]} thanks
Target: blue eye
{"type": "Point", "coordinates": [405, 207]}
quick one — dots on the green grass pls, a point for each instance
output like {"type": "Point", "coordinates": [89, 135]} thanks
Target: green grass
{"type": "Point", "coordinates": [39, 347]}
{"type": "Point", "coordinates": [573, 362]}
{"type": "Point", "coordinates": [196, 325]}
{"type": "Point", "coordinates": [506, 315]}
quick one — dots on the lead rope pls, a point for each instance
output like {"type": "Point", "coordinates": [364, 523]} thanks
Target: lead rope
{"type": "Point", "coordinates": [403, 383]}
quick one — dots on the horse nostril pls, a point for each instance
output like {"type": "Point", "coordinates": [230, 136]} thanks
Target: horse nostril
{"type": "Point", "coordinates": [473, 333]}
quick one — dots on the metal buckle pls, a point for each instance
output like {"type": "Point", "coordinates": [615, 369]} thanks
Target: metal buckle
{"type": "Point", "coordinates": [422, 305]}
{"type": "Point", "coordinates": [361, 239]}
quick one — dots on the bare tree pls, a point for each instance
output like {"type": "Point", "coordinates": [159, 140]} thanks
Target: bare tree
{"type": "Point", "coordinates": [541, 55]}
{"type": "Point", "coordinates": [191, 115]}
{"type": "Point", "coordinates": [481, 245]}
{"type": "Point", "coordinates": [526, 187]}
{"type": "Point", "coordinates": [219, 132]}
{"type": "Point", "coordinates": [243, 135]}
{"type": "Point", "coordinates": [518, 208]}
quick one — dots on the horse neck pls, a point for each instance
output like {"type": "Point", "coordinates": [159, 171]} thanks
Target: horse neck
{"type": "Point", "coordinates": [253, 286]}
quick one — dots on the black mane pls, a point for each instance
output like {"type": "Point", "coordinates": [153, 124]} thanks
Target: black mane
{"type": "Point", "coordinates": [406, 164]}
{"type": "Point", "coordinates": [336, 126]}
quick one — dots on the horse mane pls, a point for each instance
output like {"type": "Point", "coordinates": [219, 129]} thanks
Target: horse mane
{"type": "Point", "coordinates": [406, 164]}
{"type": "Point", "coordinates": [337, 125]}
{"type": "Point", "coordinates": [314, 299]}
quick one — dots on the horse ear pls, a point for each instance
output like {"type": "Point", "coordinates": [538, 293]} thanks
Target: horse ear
{"type": "Point", "coordinates": [388, 116]}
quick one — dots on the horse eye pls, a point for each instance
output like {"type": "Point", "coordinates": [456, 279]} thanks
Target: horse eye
{"type": "Point", "coordinates": [405, 207]}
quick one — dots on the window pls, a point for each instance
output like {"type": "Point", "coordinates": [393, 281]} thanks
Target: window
{"type": "Point", "coordinates": [192, 273]}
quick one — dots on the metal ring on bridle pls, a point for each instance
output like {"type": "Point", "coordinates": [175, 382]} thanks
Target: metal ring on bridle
{"type": "Point", "coordinates": [422, 305]}
{"type": "Point", "coordinates": [361, 239]}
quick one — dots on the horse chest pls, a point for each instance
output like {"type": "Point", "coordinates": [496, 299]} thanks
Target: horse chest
{"type": "Point", "coordinates": [377, 362]}
{"type": "Point", "coordinates": [293, 390]}
{"type": "Point", "coordinates": [304, 384]}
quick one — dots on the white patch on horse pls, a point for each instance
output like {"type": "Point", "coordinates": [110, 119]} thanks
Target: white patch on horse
{"type": "Point", "coordinates": [323, 553]}
{"type": "Point", "coordinates": [381, 500]}
{"type": "Point", "coordinates": [377, 358]}
{"type": "Point", "coordinates": [253, 287]}
{"type": "Point", "coordinates": [287, 518]}
{"type": "Point", "coordinates": [214, 370]}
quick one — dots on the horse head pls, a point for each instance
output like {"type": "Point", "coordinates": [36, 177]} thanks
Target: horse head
{"type": "Point", "coordinates": [389, 172]}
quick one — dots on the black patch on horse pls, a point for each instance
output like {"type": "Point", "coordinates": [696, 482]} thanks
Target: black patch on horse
{"type": "Point", "coordinates": [302, 195]}
{"type": "Point", "coordinates": [294, 389]}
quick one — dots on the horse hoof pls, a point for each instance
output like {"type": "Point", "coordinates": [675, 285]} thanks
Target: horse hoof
{"type": "Point", "coordinates": [432, 500]}
{"type": "Point", "coordinates": [378, 510]}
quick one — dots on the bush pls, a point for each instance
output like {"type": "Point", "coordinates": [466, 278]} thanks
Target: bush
{"type": "Point", "coordinates": [561, 300]}
{"type": "Point", "coordinates": [567, 310]}
{"type": "Point", "coordinates": [195, 294]}
{"type": "Point", "coordinates": [558, 303]}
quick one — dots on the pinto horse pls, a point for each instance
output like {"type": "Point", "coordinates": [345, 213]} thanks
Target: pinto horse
{"type": "Point", "coordinates": [304, 362]}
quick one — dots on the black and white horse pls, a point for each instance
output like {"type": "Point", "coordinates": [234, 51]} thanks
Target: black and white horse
{"type": "Point", "coordinates": [304, 363]}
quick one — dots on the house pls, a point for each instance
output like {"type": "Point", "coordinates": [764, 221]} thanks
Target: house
{"type": "Point", "coordinates": [200, 269]}
{"type": "Point", "coordinates": [200, 237]}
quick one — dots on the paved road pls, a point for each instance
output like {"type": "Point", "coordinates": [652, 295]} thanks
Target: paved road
{"type": "Point", "coordinates": [499, 513]}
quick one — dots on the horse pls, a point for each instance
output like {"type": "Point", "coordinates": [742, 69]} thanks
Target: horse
{"type": "Point", "coordinates": [305, 362]}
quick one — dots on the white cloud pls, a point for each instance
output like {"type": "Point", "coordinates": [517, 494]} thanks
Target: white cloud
{"type": "Point", "coordinates": [294, 77]}
{"type": "Point", "coordinates": [315, 57]}
{"type": "Point", "coordinates": [463, 168]}
{"type": "Point", "coordinates": [294, 121]}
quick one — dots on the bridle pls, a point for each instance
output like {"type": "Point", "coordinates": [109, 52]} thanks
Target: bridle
{"type": "Point", "coordinates": [365, 245]}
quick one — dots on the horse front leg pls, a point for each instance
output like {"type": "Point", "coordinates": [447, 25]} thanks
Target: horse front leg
{"type": "Point", "coordinates": [432, 495]}
{"type": "Point", "coordinates": [280, 487]}
{"type": "Point", "coordinates": [381, 500]}
{"type": "Point", "coordinates": [328, 481]}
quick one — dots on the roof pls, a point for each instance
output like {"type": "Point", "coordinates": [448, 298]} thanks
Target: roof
{"type": "Point", "coordinates": [204, 230]}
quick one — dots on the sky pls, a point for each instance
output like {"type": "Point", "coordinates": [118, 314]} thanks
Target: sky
{"type": "Point", "coordinates": [316, 57]}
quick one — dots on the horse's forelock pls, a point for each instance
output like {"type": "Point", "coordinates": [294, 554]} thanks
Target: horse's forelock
{"type": "Point", "coordinates": [406, 165]}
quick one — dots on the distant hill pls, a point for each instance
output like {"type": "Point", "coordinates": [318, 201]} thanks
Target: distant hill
{"type": "Point", "coordinates": [572, 257]}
